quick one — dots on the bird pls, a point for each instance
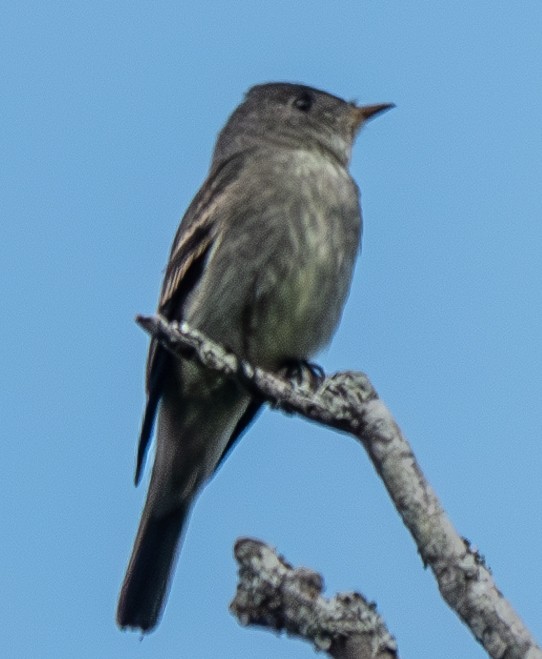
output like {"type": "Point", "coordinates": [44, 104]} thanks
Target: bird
{"type": "Point", "coordinates": [261, 263]}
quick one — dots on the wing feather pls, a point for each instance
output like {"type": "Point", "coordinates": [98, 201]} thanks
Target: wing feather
{"type": "Point", "coordinates": [195, 236]}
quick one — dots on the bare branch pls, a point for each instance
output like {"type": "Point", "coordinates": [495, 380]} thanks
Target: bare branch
{"type": "Point", "coordinates": [347, 401]}
{"type": "Point", "coordinates": [272, 594]}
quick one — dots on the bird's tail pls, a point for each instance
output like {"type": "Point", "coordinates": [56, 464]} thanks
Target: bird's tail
{"type": "Point", "coordinates": [148, 575]}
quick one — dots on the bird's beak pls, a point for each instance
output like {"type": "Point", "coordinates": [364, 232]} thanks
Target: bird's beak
{"type": "Point", "coordinates": [364, 112]}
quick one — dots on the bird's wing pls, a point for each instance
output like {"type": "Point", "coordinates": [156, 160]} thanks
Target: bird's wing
{"type": "Point", "coordinates": [253, 409]}
{"type": "Point", "coordinates": [193, 241]}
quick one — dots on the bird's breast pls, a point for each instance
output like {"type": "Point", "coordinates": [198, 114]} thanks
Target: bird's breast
{"type": "Point", "coordinates": [276, 281]}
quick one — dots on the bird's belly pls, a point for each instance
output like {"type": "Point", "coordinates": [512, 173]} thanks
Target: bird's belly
{"type": "Point", "coordinates": [295, 315]}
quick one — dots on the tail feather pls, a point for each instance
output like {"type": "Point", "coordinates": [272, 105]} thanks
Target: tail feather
{"type": "Point", "coordinates": [193, 433]}
{"type": "Point", "coordinates": [148, 575]}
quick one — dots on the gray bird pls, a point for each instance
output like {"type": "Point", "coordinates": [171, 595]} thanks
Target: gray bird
{"type": "Point", "coordinates": [261, 263]}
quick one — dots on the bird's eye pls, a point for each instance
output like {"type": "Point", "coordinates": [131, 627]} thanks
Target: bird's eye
{"type": "Point", "coordinates": [304, 101]}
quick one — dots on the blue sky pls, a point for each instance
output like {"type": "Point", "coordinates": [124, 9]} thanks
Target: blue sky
{"type": "Point", "coordinates": [109, 114]}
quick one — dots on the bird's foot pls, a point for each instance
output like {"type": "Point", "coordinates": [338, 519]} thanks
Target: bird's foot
{"type": "Point", "coordinates": [303, 373]}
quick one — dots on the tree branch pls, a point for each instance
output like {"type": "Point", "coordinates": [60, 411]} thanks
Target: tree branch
{"type": "Point", "coordinates": [272, 594]}
{"type": "Point", "coordinates": [348, 402]}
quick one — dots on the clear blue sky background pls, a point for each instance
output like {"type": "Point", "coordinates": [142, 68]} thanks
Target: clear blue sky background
{"type": "Point", "coordinates": [108, 116]}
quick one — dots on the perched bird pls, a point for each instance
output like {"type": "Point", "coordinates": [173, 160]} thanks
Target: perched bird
{"type": "Point", "coordinates": [261, 263]}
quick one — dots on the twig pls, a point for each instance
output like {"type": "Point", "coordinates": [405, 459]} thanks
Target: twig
{"type": "Point", "coordinates": [272, 594]}
{"type": "Point", "coordinates": [347, 401]}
